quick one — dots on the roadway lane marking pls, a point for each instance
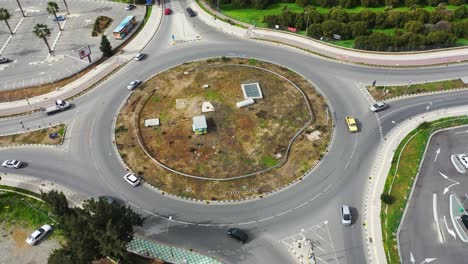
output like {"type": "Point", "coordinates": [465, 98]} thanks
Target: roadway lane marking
{"type": "Point", "coordinates": [450, 231]}
{"type": "Point", "coordinates": [446, 189]}
{"type": "Point", "coordinates": [436, 218]}
{"type": "Point", "coordinates": [352, 153]}
{"type": "Point", "coordinates": [401, 108]}
{"type": "Point", "coordinates": [265, 219]}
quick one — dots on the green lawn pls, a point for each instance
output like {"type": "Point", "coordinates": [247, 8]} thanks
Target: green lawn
{"type": "Point", "coordinates": [462, 42]}
{"type": "Point", "coordinates": [402, 178]}
{"type": "Point", "coordinates": [343, 43]}
{"type": "Point", "coordinates": [16, 208]}
{"type": "Point", "coordinates": [388, 31]}
{"type": "Point", "coordinates": [392, 91]}
{"type": "Point", "coordinates": [254, 16]}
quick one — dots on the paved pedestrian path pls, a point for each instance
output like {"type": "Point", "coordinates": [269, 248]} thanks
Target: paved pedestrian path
{"type": "Point", "coordinates": [148, 248]}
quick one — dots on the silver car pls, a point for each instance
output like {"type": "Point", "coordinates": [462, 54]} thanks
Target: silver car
{"type": "Point", "coordinates": [133, 84]}
{"type": "Point", "coordinates": [378, 106]}
{"type": "Point", "coordinates": [12, 164]}
{"type": "Point", "coordinates": [345, 215]}
{"type": "Point", "coordinates": [39, 234]}
{"type": "Point", "coordinates": [139, 56]}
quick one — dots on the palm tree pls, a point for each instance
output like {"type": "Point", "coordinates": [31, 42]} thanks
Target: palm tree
{"type": "Point", "coordinates": [53, 8]}
{"type": "Point", "coordinates": [66, 6]}
{"type": "Point", "coordinates": [5, 15]}
{"type": "Point", "coordinates": [22, 12]}
{"type": "Point", "coordinates": [42, 31]}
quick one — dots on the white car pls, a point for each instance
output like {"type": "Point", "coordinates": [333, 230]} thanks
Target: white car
{"type": "Point", "coordinates": [133, 84]}
{"type": "Point", "coordinates": [39, 234]}
{"type": "Point", "coordinates": [345, 215]}
{"type": "Point", "coordinates": [132, 179]}
{"type": "Point", "coordinates": [12, 164]}
{"type": "Point", "coordinates": [139, 56]}
{"type": "Point", "coordinates": [378, 106]}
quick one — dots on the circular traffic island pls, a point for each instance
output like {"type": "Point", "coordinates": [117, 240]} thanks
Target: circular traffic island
{"type": "Point", "coordinates": [223, 129]}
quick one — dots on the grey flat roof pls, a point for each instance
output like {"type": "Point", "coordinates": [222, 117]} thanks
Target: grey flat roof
{"type": "Point", "coordinates": [252, 90]}
{"type": "Point", "coordinates": [199, 122]}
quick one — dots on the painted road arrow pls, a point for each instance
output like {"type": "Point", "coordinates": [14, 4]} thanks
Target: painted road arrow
{"type": "Point", "coordinates": [450, 231]}
{"type": "Point", "coordinates": [446, 189]}
{"type": "Point", "coordinates": [437, 154]}
{"type": "Point", "coordinates": [412, 257]}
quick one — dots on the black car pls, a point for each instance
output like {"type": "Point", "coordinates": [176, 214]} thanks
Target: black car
{"type": "Point", "coordinates": [190, 12]}
{"type": "Point", "coordinates": [4, 60]}
{"type": "Point", "coordinates": [464, 219]}
{"type": "Point", "coordinates": [238, 234]}
{"type": "Point", "coordinates": [130, 7]}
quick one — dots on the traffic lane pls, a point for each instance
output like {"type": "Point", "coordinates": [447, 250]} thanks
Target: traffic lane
{"type": "Point", "coordinates": [403, 109]}
{"type": "Point", "coordinates": [53, 165]}
{"type": "Point", "coordinates": [424, 240]}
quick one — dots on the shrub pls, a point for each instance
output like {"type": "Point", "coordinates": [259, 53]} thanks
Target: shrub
{"type": "Point", "coordinates": [387, 198]}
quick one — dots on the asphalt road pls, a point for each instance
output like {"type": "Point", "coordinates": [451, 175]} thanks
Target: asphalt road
{"type": "Point", "coordinates": [89, 165]}
{"type": "Point", "coordinates": [421, 235]}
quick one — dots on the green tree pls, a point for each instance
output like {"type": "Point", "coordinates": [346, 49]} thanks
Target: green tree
{"type": "Point", "coordinates": [460, 12]}
{"type": "Point", "coordinates": [105, 47]}
{"type": "Point", "coordinates": [260, 4]}
{"type": "Point", "coordinates": [348, 3]}
{"type": "Point", "coordinates": [315, 31]}
{"type": "Point", "coordinates": [440, 39]}
{"type": "Point", "coordinates": [52, 8]}
{"type": "Point", "coordinates": [330, 27]}
{"type": "Point", "coordinates": [42, 31]}
{"type": "Point", "coordinates": [60, 256]}
{"type": "Point", "coordinates": [456, 2]}
{"type": "Point", "coordinates": [58, 201]}
{"type": "Point", "coordinates": [338, 14]}
{"type": "Point", "coordinates": [380, 41]}
{"type": "Point", "coordinates": [5, 15]}
{"type": "Point", "coordinates": [367, 16]}
{"type": "Point", "coordinates": [421, 15]}
{"type": "Point", "coordinates": [359, 29]}
{"type": "Point", "coordinates": [414, 26]}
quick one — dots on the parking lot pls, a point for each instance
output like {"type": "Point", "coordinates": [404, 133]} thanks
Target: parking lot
{"type": "Point", "coordinates": [31, 64]}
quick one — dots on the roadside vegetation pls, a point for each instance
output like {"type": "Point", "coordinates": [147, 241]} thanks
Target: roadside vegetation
{"type": "Point", "coordinates": [100, 25]}
{"type": "Point", "coordinates": [409, 25]}
{"type": "Point", "coordinates": [386, 92]}
{"type": "Point", "coordinates": [400, 179]}
{"type": "Point", "coordinates": [41, 136]}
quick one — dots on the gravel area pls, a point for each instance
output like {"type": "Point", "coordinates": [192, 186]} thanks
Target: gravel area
{"type": "Point", "coordinates": [14, 249]}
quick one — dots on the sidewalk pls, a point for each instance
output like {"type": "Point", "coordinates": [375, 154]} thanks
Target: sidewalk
{"type": "Point", "coordinates": [373, 230]}
{"type": "Point", "coordinates": [421, 58]}
{"type": "Point", "coordinates": [92, 77]}
{"type": "Point", "coordinates": [148, 248]}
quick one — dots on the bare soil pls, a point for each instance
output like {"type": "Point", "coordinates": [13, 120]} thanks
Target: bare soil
{"type": "Point", "coordinates": [14, 249]}
{"type": "Point", "coordinates": [238, 140]}
{"type": "Point", "coordinates": [35, 137]}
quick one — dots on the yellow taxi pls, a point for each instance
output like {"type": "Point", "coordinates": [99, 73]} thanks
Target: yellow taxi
{"type": "Point", "coordinates": [351, 122]}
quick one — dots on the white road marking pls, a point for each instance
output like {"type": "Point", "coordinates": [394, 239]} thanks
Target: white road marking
{"type": "Point", "coordinates": [412, 257]}
{"type": "Point", "coordinates": [437, 154]}
{"type": "Point", "coordinates": [436, 218]}
{"type": "Point", "coordinates": [352, 153]}
{"type": "Point", "coordinates": [401, 108]}
{"type": "Point", "coordinates": [451, 185]}
{"type": "Point", "coordinates": [450, 231]}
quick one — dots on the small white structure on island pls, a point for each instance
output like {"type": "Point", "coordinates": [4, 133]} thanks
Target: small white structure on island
{"type": "Point", "coordinates": [245, 103]}
{"type": "Point", "coordinates": [199, 125]}
{"type": "Point", "coordinates": [252, 90]}
{"type": "Point", "coordinates": [151, 122]}
{"type": "Point", "coordinates": [207, 107]}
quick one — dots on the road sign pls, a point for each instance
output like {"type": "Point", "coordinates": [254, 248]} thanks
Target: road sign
{"type": "Point", "coordinates": [84, 52]}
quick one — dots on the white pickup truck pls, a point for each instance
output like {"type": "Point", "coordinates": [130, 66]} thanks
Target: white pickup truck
{"type": "Point", "coordinates": [59, 106]}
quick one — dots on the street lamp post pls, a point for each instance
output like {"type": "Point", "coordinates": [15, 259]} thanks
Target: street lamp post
{"type": "Point", "coordinates": [307, 26]}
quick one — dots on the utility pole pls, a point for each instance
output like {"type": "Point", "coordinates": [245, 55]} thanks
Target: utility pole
{"type": "Point", "coordinates": [307, 27]}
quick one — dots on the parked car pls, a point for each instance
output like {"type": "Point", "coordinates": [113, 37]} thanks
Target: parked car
{"type": "Point", "coordinates": [167, 11]}
{"type": "Point", "coordinates": [39, 234]}
{"type": "Point", "coordinates": [12, 164]}
{"type": "Point", "coordinates": [190, 12]}
{"type": "Point", "coordinates": [378, 106]}
{"type": "Point", "coordinates": [58, 18]}
{"type": "Point", "coordinates": [345, 215]}
{"type": "Point", "coordinates": [139, 56]}
{"type": "Point", "coordinates": [352, 125]}
{"type": "Point", "coordinates": [4, 60]}
{"type": "Point", "coordinates": [133, 84]}
{"type": "Point", "coordinates": [130, 7]}
{"type": "Point", "coordinates": [132, 179]}
{"type": "Point", "coordinates": [464, 219]}
{"type": "Point", "coordinates": [238, 234]}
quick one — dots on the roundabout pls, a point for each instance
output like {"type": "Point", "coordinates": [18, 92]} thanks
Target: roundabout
{"type": "Point", "coordinates": [89, 164]}
{"type": "Point", "coordinates": [243, 151]}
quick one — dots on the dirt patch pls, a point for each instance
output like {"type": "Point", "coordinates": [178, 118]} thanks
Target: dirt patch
{"type": "Point", "coordinates": [41, 136]}
{"type": "Point", "coordinates": [100, 25]}
{"type": "Point", "coordinates": [238, 141]}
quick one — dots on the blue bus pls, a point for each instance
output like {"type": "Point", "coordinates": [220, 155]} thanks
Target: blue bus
{"type": "Point", "coordinates": [124, 27]}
